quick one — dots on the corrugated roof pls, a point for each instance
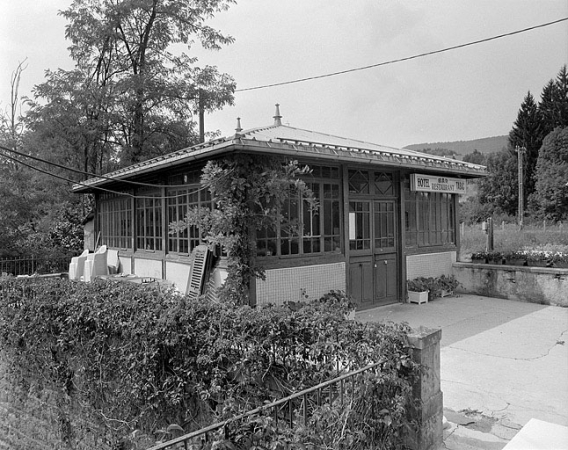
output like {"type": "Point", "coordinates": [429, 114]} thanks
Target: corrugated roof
{"type": "Point", "coordinates": [286, 140]}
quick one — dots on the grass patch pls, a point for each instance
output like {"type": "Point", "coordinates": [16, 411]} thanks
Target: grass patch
{"type": "Point", "coordinates": [508, 238]}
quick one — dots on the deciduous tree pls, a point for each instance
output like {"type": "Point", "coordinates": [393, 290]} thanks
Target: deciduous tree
{"type": "Point", "coordinates": [551, 193]}
{"type": "Point", "coordinates": [499, 188]}
{"type": "Point", "coordinates": [126, 47]}
{"type": "Point", "coordinates": [475, 157]}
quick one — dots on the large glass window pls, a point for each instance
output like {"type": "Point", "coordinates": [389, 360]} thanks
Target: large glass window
{"type": "Point", "coordinates": [149, 230]}
{"type": "Point", "coordinates": [115, 220]}
{"type": "Point", "coordinates": [305, 230]}
{"type": "Point", "coordinates": [429, 219]}
{"type": "Point", "coordinates": [180, 201]}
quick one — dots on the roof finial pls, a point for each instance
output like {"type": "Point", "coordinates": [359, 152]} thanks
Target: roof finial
{"type": "Point", "coordinates": [277, 117]}
{"type": "Point", "coordinates": [238, 129]}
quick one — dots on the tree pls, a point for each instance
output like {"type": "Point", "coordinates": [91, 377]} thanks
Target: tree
{"type": "Point", "coordinates": [551, 193]}
{"type": "Point", "coordinates": [74, 121]}
{"type": "Point", "coordinates": [123, 48]}
{"type": "Point", "coordinates": [475, 157]}
{"type": "Point", "coordinates": [499, 188]}
{"type": "Point", "coordinates": [17, 202]}
{"type": "Point", "coordinates": [553, 106]}
{"type": "Point", "coordinates": [527, 132]}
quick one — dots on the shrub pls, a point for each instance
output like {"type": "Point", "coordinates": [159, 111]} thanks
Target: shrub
{"type": "Point", "coordinates": [139, 359]}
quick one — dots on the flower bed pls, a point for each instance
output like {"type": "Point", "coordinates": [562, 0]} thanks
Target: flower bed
{"type": "Point", "coordinates": [533, 258]}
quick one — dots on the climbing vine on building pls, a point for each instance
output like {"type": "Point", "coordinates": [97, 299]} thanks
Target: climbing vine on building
{"type": "Point", "coordinates": [248, 193]}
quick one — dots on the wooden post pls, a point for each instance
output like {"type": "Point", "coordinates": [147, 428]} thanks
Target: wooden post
{"type": "Point", "coordinates": [520, 152]}
{"type": "Point", "coordinates": [490, 235]}
{"type": "Point", "coordinates": [201, 116]}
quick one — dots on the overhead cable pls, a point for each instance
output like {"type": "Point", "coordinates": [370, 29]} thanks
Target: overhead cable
{"type": "Point", "coordinates": [421, 55]}
{"type": "Point", "coordinates": [120, 193]}
{"type": "Point", "coordinates": [137, 183]}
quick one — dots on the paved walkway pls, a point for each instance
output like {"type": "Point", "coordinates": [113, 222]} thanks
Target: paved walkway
{"type": "Point", "coordinates": [502, 363]}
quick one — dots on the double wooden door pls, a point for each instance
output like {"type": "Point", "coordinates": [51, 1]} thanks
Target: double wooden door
{"type": "Point", "coordinates": [373, 260]}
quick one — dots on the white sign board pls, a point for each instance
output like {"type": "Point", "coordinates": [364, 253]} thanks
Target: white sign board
{"type": "Point", "coordinates": [435, 183]}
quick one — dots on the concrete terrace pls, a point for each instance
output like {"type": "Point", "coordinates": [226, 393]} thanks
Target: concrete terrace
{"type": "Point", "coordinates": [503, 362]}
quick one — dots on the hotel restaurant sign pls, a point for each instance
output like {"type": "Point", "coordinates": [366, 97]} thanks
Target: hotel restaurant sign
{"type": "Point", "coordinates": [433, 183]}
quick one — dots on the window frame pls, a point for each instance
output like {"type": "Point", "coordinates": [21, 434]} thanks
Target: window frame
{"type": "Point", "coordinates": [429, 219]}
{"type": "Point", "coordinates": [148, 216]}
{"type": "Point", "coordinates": [326, 220]}
{"type": "Point", "coordinates": [114, 220]}
{"type": "Point", "coordinates": [181, 200]}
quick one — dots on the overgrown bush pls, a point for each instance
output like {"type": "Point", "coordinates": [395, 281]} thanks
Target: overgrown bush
{"type": "Point", "coordinates": [138, 359]}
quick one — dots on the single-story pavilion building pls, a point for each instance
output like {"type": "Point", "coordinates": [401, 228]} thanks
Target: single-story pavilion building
{"type": "Point", "coordinates": [385, 215]}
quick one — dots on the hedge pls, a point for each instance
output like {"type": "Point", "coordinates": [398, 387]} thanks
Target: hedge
{"type": "Point", "coordinates": [141, 362]}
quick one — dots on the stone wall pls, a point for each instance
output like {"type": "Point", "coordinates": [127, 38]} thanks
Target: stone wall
{"type": "Point", "coordinates": [428, 409]}
{"type": "Point", "coordinates": [541, 285]}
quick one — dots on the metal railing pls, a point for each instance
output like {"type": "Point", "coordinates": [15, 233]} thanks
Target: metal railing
{"type": "Point", "coordinates": [29, 265]}
{"type": "Point", "coordinates": [281, 410]}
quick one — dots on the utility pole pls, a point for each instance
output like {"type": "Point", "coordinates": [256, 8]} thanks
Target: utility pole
{"type": "Point", "coordinates": [521, 210]}
{"type": "Point", "coordinates": [201, 109]}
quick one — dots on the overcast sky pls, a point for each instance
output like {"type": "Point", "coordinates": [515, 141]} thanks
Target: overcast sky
{"type": "Point", "coordinates": [464, 94]}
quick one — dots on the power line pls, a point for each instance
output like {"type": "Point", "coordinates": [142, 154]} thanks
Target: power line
{"type": "Point", "coordinates": [408, 58]}
{"type": "Point", "coordinates": [120, 193]}
{"type": "Point", "coordinates": [86, 173]}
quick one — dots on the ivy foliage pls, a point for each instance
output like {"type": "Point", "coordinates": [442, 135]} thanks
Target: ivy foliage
{"type": "Point", "coordinates": [142, 363]}
{"type": "Point", "coordinates": [248, 193]}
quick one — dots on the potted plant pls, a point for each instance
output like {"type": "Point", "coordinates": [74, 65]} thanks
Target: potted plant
{"type": "Point", "coordinates": [479, 257]}
{"type": "Point", "coordinates": [417, 290]}
{"type": "Point", "coordinates": [495, 258]}
{"type": "Point", "coordinates": [539, 258]}
{"type": "Point", "coordinates": [560, 260]}
{"type": "Point", "coordinates": [445, 286]}
{"type": "Point", "coordinates": [515, 258]}
{"type": "Point", "coordinates": [423, 289]}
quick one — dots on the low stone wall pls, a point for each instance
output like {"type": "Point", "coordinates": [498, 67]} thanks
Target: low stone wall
{"type": "Point", "coordinates": [428, 398]}
{"type": "Point", "coordinates": [541, 285]}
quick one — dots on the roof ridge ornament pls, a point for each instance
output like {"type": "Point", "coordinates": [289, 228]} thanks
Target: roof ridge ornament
{"type": "Point", "coordinates": [238, 129]}
{"type": "Point", "coordinates": [277, 116]}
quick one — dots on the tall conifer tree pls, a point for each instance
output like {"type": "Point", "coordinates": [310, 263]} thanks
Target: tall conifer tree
{"type": "Point", "coordinates": [527, 133]}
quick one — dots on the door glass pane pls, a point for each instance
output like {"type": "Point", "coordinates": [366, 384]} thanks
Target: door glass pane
{"type": "Point", "coordinates": [360, 226]}
{"type": "Point", "coordinates": [384, 225]}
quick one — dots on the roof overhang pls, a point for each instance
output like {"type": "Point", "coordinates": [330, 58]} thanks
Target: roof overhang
{"type": "Point", "coordinates": [290, 148]}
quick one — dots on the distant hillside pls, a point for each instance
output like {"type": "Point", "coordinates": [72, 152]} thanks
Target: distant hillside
{"type": "Point", "coordinates": [462, 148]}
